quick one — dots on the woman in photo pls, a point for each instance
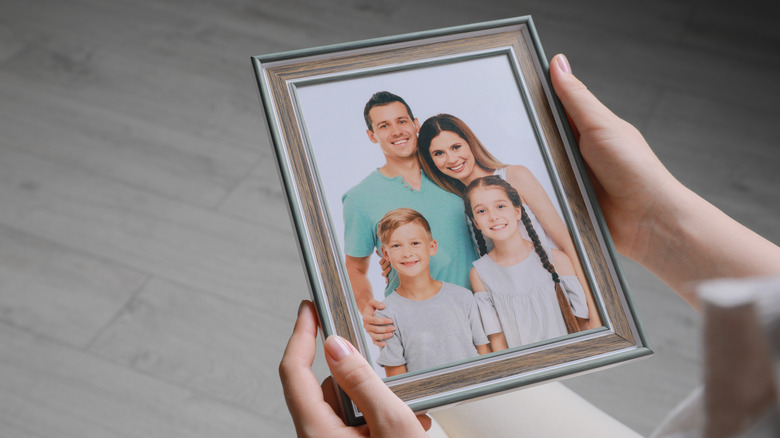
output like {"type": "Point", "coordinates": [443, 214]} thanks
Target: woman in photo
{"type": "Point", "coordinates": [452, 156]}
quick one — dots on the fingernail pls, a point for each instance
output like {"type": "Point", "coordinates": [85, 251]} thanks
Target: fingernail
{"type": "Point", "coordinates": [338, 348]}
{"type": "Point", "coordinates": [300, 306]}
{"type": "Point", "coordinates": [563, 63]}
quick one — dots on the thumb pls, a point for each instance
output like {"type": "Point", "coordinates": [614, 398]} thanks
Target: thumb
{"type": "Point", "coordinates": [586, 112]}
{"type": "Point", "coordinates": [376, 401]}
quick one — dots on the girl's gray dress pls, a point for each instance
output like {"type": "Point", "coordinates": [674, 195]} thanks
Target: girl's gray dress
{"type": "Point", "coordinates": [520, 300]}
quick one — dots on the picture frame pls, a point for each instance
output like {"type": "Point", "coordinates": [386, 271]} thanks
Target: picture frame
{"type": "Point", "coordinates": [495, 77]}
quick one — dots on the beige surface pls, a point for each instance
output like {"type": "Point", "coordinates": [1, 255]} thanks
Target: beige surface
{"type": "Point", "coordinates": [148, 275]}
{"type": "Point", "coordinates": [549, 410]}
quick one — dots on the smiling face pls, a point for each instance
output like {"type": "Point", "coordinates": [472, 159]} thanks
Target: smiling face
{"type": "Point", "coordinates": [394, 130]}
{"type": "Point", "coordinates": [494, 213]}
{"type": "Point", "coordinates": [452, 156]}
{"type": "Point", "coordinates": [409, 249]}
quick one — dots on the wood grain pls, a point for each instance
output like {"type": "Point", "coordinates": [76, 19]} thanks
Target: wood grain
{"type": "Point", "coordinates": [55, 291]}
{"type": "Point", "coordinates": [48, 389]}
{"type": "Point", "coordinates": [148, 232]}
{"type": "Point", "coordinates": [200, 341]}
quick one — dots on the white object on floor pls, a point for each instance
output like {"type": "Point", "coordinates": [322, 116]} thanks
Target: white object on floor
{"type": "Point", "coordinates": [739, 397]}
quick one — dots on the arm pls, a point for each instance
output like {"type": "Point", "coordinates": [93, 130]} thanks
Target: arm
{"type": "Point", "coordinates": [315, 409]}
{"type": "Point", "coordinates": [495, 335]}
{"type": "Point", "coordinates": [536, 197]}
{"type": "Point", "coordinates": [652, 217]}
{"type": "Point", "coordinates": [563, 265]}
{"type": "Point", "coordinates": [498, 341]}
{"type": "Point", "coordinates": [395, 370]}
{"type": "Point", "coordinates": [476, 282]}
{"type": "Point", "coordinates": [378, 328]}
{"type": "Point", "coordinates": [483, 349]}
{"type": "Point", "coordinates": [359, 243]}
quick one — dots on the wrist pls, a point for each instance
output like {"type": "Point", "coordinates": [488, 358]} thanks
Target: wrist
{"type": "Point", "coordinates": [663, 225]}
{"type": "Point", "coordinates": [693, 241]}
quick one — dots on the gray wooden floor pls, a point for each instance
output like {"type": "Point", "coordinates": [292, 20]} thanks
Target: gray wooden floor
{"type": "Point", "coordinates": [148, 276]}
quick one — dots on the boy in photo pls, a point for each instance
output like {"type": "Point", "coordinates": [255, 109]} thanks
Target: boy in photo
{"type": "Point", "coordinates": [436, 322]}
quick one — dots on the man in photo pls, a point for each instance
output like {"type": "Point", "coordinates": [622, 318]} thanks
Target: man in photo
{"type": "Point", "coordinates": [399, 182]}
{"type": "Point", "coordinates": [436, 322]}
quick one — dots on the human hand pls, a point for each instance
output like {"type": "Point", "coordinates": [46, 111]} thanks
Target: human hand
{"type": "Point", "coordinates": [632, 186]}
{"type": "Point", "coordinates": [315, 410]}
{"type": "Point", "coordinates": [378, 328]}
{"type": "Point", "coordinates": [652, 217]}
{"type": "Point", "coordinates": [384, 265]}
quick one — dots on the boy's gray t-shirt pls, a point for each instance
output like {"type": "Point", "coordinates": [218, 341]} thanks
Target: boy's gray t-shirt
{"type": "Point", "coordinates": [432, 332]}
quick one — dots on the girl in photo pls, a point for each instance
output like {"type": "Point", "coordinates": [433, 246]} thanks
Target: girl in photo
{"type": "Point", "coordinates": [515, 282]}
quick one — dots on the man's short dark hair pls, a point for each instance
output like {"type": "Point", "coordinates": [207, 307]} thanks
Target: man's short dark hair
{"type": "Point", "coordinates": [382, 98]}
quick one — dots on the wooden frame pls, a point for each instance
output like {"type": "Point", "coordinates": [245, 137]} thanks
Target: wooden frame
{"type": "Point", "coordinates": [284, 80]}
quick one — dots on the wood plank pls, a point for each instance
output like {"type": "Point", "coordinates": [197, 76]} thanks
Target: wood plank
{"type": "Point", "coordinates": [58, 292]}
{"type": "Point", "coordinates": [11, 429]}
{"type": "Point", "coordinates": [749, 35]}
{"type": "Point", "coordinates": [649, 21]}
{"type": "Point", "coordinates": [50, 390]}
{"type": "Point", "coordinates": [652, 61]}
{"type": "Point", "coordinates": [259, 198]}
{"type": "Point", "coordinates": [229, 257]}
{"type": "Point", "coordinates": [205, 343]}
{"type": "Point", "coordinates": [104, 139]}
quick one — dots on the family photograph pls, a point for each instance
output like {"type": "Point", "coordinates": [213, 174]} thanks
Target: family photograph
{"type": "Point", "coordinates": [452, 236]}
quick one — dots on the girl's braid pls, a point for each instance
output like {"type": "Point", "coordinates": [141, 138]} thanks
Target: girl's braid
{"type": "Point", "coordinates": [481, 245]}
{"type": "Point", "coordinates": [529, 227]}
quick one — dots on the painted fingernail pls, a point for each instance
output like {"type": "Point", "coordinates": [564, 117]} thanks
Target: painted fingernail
{"type": "Point", "coordinates": [563, 63]}
{"type": "Point", "coordinates": [338, 348]}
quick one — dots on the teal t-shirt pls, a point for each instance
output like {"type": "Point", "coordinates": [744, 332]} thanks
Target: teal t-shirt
{"type": "Point", "coordinates": [367, 202]}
